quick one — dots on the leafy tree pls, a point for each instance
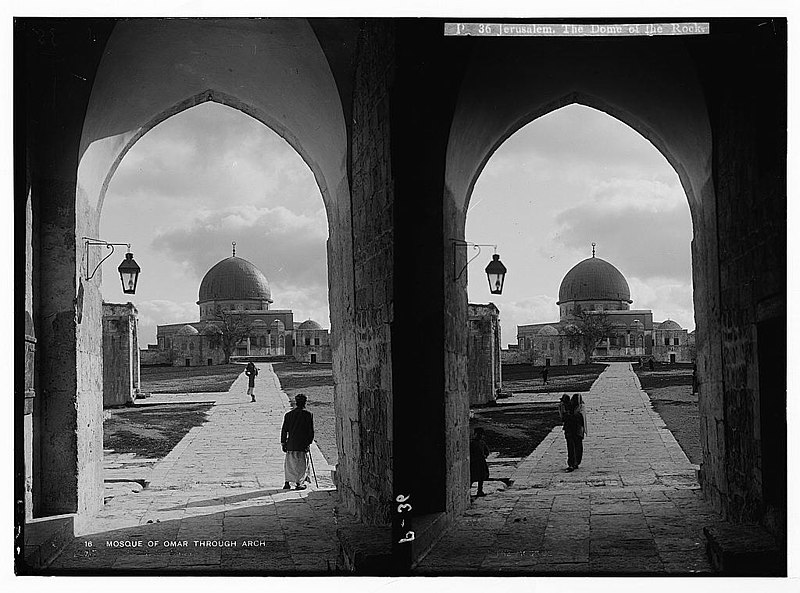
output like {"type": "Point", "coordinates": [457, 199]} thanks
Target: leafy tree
{"type": "Point", "coordinates": [587, 331]}
{"type": "Point", "coordinates": [230, 328]}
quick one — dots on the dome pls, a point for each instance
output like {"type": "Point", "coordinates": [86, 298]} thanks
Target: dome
{"type": "Point", "coordinates": [548, 330]}
{"type": "Point", "coordinates": [234, 279]}
{"type": "Point", "coordinates": [594, 279]}
{"type": "Point", "coordinates": [187, 330]}
{"type": "Point", "coordinates": [310, 324]}
{"type": "Point", "coordinates": [669, 324]}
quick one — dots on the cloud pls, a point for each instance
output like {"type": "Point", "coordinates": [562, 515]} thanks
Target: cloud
{"type": "Point", "coordinates": [288, 247]}
{"type": "Point", "coordinates": [643, 227]}
{"type": "Point", "coordinates": [306, 302]}
{"type": "Point", "coordinates": [581, 137]}
{"type": "Point", "coordinates": [535, 309]}
{"type": "Point", "coordinates": [161, 312]}
{"type": "Point", "coordinates": [210, 154]}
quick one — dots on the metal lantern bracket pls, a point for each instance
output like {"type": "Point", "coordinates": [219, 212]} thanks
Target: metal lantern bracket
{"type": "Point", "coordinates": [90, 242]}
{"type": "Point", "coordinates": [459, 243]}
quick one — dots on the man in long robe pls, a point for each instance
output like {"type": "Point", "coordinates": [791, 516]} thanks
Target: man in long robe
{"type": "Point", "coordinates": [297, 434]}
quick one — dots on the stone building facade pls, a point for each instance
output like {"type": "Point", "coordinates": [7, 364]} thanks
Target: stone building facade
{"type": "Point", "coordinates": [121, 361]}
{"type": "Point", "coordinates": [483, 353]}
{"type": "Point", "coordinates": [395, 119]}
{"type": "Point", "coordinates": [672, 343]}
{"type": "Point", "coordinates": [312, 343]}
{"type": "Point", "coordinates": [594, 286]}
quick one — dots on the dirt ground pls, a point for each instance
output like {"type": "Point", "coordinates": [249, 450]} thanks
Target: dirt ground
{"type": "Point", "coordinates": [316, 382]}
{"type": "Point", "coordinates": [515, 430]}
{"type": "Point", "coordinates": [670, 389]}
{"type": "Point", "coordinates": [527, 378]}
{"type": "Point", "coordinates": [189, 379]}
{"type": "Point", "coordinates": [150, 431]}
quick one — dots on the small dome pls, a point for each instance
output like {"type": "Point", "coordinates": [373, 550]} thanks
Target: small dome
{"type": "Point", "coordinates": [187, 330]}
{"type": "Point", "coordinates": [594, 279]}
{"type": "Point", "coordinates": [234, 279]}
{"type": "Point", "coordinates": [309, 324]}
{"type": "Point", "coordinates": [669, 324]}
{"type": "Point", "coordinates": [548, 330]}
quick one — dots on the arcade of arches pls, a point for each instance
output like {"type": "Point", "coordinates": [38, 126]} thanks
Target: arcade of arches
{"type": "Point", "coordinates": [396, 120]}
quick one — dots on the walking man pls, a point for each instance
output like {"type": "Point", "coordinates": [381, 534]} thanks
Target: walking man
{"type": "Point", "coordinates": [297, 433]}
{"type": "Point", "coordinates": [251, 371]}
{"type": "Point", "coordinates": [545, 372]}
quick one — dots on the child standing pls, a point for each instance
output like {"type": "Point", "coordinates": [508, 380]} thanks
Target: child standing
{"type": "Point", "coordinates": [478, 468]}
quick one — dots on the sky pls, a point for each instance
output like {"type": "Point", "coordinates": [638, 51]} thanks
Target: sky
{"type": "Point", "coordinates": [193, 184]}
{"type": "Point", "coordinates": [212, 175]}
{"type": "Point", "coordinates": [567, 179]}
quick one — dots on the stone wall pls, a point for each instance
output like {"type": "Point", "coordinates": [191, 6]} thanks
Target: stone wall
{"type": "Point", "coordinates": [120, 354]}
{"type": "Point", "coordinates": [155, 357]}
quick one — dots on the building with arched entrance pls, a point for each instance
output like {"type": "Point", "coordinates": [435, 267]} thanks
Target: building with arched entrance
{"type": "Point", "coordinates": [396, 122]}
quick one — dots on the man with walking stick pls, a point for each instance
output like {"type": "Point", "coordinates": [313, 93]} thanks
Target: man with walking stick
{"type": "Point", "coordinates": [297, 433]}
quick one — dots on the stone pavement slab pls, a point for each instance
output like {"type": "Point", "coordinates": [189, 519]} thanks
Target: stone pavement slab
{"type": "Point", "coordinates": [215, 503]}
{"type": "Point", "coordinates": [633, 507]}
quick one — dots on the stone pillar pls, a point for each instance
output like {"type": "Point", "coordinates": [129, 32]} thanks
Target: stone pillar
{"type": "Point", "coordinates": [362, 358]}
{"type": "Point", "coordinates": [739, 267]}
{"type": "Point", "coordinates": [120, 354]}
{"type": "Point", "coordinates": [68, 411]}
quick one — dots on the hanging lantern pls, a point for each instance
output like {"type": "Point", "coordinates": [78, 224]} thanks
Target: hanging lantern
{"type": "Point", "coordinates": [129, 274]}
{"type": "Point", "coordinates": [496, 273]}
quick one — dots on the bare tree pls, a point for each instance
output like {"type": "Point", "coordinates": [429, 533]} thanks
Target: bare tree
{"type": "Point", "coordinates": [588, 330]}
{"type": "Point", "coordinates": [230, 329]}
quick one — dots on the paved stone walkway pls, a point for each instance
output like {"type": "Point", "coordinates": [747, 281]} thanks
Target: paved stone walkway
{"type": "Point", "coordinates": [633, 507]}
{"type": "Point", "coordinates": [215, 503]}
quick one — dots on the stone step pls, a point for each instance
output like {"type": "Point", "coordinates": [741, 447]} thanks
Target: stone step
{"type": "Point", "coordinates": [45, 538]}
{"type": "Point", "coordinates": [743, 550]}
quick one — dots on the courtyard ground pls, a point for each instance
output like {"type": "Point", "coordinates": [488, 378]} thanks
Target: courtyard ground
{"type": "Point", "coordinates": [670, 389]}
{"type": "Point", "coordinates": [634, 506]}
{"type": "Point", "coordinates": [316, 382]}
{"type": "Point", "coordinates": [215, 504]}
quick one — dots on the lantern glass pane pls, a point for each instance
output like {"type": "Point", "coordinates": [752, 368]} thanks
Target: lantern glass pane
{"type": "Point", "coordinates": [496, 283]}
{"type": "Point", "coordinates": [129, 282]}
